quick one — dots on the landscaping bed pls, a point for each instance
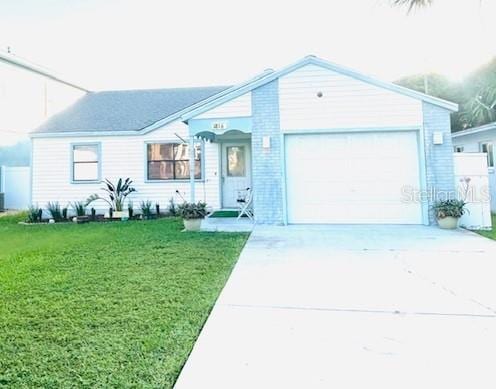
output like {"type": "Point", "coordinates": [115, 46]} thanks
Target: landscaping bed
{"type": "Point", "coordinates": [105, 304]}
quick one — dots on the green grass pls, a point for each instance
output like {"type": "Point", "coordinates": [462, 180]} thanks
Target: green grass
{"type": "Point", "coordinates": [105, 304]}
{"type": "Point", "coordinates": [491, 234]}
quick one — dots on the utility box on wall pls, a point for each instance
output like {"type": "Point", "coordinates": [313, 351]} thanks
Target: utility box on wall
{"type": "Point", "coordinates": [472, 183]}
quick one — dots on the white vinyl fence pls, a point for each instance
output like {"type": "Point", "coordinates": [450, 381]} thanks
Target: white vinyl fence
{"type": "Point", "coordinates": [471, 170]}
{"type": "Point", "coordinates": [15, 183]}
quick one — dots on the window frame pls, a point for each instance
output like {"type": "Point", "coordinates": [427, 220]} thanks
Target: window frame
{"type": "Point", "coordinates": [174, 142]}
{"type": "Point", "coordinates": [490, 161]}
{"type": "Point", "coordinates": [99, 162]}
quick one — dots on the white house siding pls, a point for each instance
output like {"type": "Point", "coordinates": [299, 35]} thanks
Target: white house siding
{"type": "Point", "coordinates": [122, 156]}
{"type": "Point", "coordinates": [345, 102]}
{"type": "Point", "coordinates": [471, 142]}
{"type": "Point", "coordinates": [240, 106]}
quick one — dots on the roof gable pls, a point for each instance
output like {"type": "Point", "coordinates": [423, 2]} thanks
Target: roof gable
{"type": "Point", "coordinates": [267, 77]}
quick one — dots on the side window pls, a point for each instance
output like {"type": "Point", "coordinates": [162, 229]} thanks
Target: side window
{"type": "Point", "coordinates": [487, 147]}
{"type": "Point", "coordinates": [85, 162]}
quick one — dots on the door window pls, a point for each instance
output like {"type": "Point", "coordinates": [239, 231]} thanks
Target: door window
{"type": "Point", "coordinates": [236, 161]}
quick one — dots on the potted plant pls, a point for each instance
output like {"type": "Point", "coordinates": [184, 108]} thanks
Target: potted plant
{"type": "Point", "coordinates": [448, 212]}
{"type": "Point", "coordinates": [116, 196]}
{"type": "Point", "coordinates": [192, 214]}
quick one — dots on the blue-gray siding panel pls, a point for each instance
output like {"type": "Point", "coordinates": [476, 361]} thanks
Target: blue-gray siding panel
{"type": "Point", "coordinates": [439, 158]}
{"type": "Point", "coordinates": [267, 172]}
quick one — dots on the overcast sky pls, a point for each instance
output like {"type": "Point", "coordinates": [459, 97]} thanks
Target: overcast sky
{"type": "Point", "coordinates": [121, 44]}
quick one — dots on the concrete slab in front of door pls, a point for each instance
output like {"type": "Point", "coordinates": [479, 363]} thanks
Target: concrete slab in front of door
{"type": "Point", "coordinates": [352, 307]}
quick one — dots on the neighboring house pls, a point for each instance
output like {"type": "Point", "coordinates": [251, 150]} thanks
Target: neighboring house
{"type": "Point", "coordinates": [480, 139]}
{"type": "Point", "coordinates": [317, 142]}
{"type": "Point", "coordinates": [29, 94]}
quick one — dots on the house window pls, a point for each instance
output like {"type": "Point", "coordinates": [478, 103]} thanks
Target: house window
{"type": "Point", "coordinates": [86, 163]}
{"type": "Point", "coordinates": [458, 149]}
{"type": "Point", "coordinates": [170, 161]}
{"type": "Point", "coordinates": [487, 147]}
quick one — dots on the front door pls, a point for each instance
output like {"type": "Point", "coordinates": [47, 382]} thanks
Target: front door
{"type": "Point", "coordinates": [236, 171]}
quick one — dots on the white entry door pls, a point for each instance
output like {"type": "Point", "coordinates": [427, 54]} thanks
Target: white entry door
{"type": "Point", "coordinates": [353, 178]}
{"type": "Point", "coordinates": [236, 171]}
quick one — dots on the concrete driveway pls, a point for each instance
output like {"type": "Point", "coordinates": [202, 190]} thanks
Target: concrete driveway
{"type": "Point", "coordinates": [353, 307]}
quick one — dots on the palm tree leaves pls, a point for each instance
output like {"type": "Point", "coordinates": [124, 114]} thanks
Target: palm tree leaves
{"type": "Point", "coordinates": [411, 4]}
{"type": "Point", "coordinates": [481, 108]}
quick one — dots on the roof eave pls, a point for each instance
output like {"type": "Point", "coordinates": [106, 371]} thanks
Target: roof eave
{"type": "Point", "coordinates": [475, 130]}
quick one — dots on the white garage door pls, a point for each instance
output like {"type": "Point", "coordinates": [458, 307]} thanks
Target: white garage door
{"type": "Point", "coordinates": [352, 178]}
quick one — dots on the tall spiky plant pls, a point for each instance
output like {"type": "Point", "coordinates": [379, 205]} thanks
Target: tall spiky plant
{"type": "Point", "coordinates": [116, 193]}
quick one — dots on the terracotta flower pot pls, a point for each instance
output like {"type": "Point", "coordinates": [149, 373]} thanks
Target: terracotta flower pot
{"type": "Point", "coordinates": [192, 224]}
{"type": "Point", "coordinates": [448, 222]}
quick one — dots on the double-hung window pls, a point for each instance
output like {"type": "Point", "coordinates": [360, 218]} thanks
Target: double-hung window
{"type": "Point", "coordinates": [86, 162]}
{"type": "Point", "coordinates": [170, 161]}
{"type": "Point", "coordinates": [487, 147]}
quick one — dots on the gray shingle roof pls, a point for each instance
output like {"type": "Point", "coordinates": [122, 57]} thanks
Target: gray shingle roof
{"type": "Point", "coordinates": [128, 110]}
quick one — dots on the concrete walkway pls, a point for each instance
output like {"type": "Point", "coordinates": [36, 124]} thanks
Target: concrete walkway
{"type": "Point", "coordinates": [353, 307]}
{"type": "Point", "coordinates": [227, 224]}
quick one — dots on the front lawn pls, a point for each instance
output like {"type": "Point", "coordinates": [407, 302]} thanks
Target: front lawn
{"type": "Point", "coordinates": [105, 304]}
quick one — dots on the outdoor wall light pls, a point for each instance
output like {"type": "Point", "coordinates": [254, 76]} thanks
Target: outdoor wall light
{"type": "Point", "coordinates": [437, 138]}
{"type": "Point", "coordinates": [319, 94]}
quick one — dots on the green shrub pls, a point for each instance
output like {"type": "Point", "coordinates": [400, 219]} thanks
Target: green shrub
{"type": "Point", "coordinates": [445, 208]}
{"type": "Point", "coordinates": [33, 215]}
{"type": "Point", "coordinates": [172, 207]}
{"type": "Point", "coordinates": [79, 208]}
{"type": "Point", "coordinates": [116, 193]}
{"type": "Point", "coordinates": [146, 208]}
{"type": "Point", "coordinates": [130, 209]}
{"type": "Point", "coordinates": [192, 210]}
{"type": "Point", "coordinates": [55, 211]}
